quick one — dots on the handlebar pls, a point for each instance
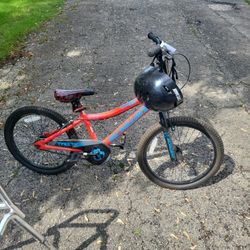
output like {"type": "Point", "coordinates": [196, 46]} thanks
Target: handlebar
{"type": "Point", "coordinates": [154, 38]}
{"type": "Point", "coordinates": [160, 44]}
{"type": "Point", "coordinates": [163, 53]}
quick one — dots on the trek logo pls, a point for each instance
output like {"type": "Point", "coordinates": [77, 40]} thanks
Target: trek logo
{"type": "Point", "coordinates": [70, 144]}
{"type": "Point", "coordinates": [129, 122]}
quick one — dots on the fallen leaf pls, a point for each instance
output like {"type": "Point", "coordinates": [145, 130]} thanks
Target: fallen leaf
{"type": "Point", "coordinates": [120, 221]}
{"type": "Point", "coordinates": [193, 247]}
{"type": "Point", "coordinates": [33, 194]}
{"type": "Point", "coordinates": [22, 193]}
{"type": "Point", "coordinates": [242, 129]}
{"type": "Point", "coordinates": [66, 189]}
{"type": "Point", "coordinates": [99, 242]}
{"type": "Point", "coordinates": [86, 218]}
{"type": "Point", "coordinates": [174, 236]}
{"type": "Point", "coordinates": [146, 200]}
{"type": "Point", "coordinates": [187, 235]}
{"type": "Point", "coordinates": [119, 248]}
{"type": "Point", "coordinates": [157, 210]}
{"type": "Point", "coordinates": [183, 214]}
{"type": "Point", "coordinates": [187, 200]}
{"type": "Point", "coordinates": [30, 54]}
{"type": "Point", "coordinates": [177, 220]}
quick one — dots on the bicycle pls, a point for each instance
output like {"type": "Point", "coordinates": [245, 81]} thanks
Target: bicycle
{"type": "Point", "coordinates": [177, 153]}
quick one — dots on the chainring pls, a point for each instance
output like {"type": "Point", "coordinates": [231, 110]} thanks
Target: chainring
{"type": "Point", "coordinates": [97, 153]}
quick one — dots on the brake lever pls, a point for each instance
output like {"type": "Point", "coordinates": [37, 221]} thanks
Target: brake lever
{"type": "Point", "coordinates": [154, 51]}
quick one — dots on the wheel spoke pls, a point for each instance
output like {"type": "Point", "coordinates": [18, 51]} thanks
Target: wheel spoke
{"type": "Point", "coordinates": [26, 131]}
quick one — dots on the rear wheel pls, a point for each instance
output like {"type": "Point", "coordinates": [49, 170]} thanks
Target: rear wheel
{"type": "Point", "coordinates": [26, 125]}
{"type": "Point", "coordinates": [198, 153]}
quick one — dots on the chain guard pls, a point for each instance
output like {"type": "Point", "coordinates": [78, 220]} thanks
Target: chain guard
{"type": "Point", "coordinates": [94, 151]}
{"type": "Point", "coordinates": [97, 153]}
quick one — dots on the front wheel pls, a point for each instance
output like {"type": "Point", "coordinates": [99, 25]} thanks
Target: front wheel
{"type": "Point", "coordinates": [198, 151]}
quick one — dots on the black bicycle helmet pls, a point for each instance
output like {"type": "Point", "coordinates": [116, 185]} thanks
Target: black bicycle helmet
{"type": "Point", "coordinates": [157, 90]}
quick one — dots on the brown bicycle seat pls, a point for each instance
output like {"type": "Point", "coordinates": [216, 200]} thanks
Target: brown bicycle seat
{"type": "Point", "coordinates": [65, 95]}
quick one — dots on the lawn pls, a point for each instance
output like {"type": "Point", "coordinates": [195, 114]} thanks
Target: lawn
{"type": "Point", "coordinates": [18, 17]}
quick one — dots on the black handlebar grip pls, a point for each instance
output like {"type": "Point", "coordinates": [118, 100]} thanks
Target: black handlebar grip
{"type": "Point", "coordinates": [154, 51]}
{"type": "Point", "coordinates": [154, 38]}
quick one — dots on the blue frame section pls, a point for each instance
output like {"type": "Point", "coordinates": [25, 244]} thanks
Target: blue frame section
{"type": "Point", "coordinates": [128, 104]}
{"type": "Point", "coordinates": [128, 123]}
{"type": "Point", "coordinates": [70, 144]}
{"type": "Point", "coordinates": [169, 145]}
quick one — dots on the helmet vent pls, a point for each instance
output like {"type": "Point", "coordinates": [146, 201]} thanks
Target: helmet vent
{"type": "Point", "coordinates": [166, 88]}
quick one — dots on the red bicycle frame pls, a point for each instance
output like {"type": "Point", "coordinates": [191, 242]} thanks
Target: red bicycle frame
{"type": "Point", "coordinates": [87, 118]}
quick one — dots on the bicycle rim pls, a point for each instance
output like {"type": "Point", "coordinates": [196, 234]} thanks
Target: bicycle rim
{"type": "Point", "coordinates": [195, 155]}
{"type": "Point", "coordinates": [30, 128]}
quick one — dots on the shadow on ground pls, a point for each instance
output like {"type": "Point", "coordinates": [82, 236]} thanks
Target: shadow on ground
{"type": "Point", "coordinates": [226, 170]}
{"type": "Point", "coordinates": [72, 223]}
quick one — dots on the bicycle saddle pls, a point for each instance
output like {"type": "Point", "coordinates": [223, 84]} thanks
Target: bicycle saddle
{"type": "Point", "coordinates": [69, 95]}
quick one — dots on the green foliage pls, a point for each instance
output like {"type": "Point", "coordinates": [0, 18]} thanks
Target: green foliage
{"type": "Point", "coordinates": [18, 17]}
{"type": "Point", "coordinates": [247, 1]}
{"type": "Point", "coordinates": [137, 232]}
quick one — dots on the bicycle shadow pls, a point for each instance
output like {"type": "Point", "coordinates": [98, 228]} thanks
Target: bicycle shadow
{"type": "Point", "coordinates": [69, 223]}
{"type": "Point", "coordinates": [226, 170]}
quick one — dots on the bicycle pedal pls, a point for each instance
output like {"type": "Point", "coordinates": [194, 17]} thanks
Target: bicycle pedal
{"type": "Point", "coordinates": [121, 145]}
{"type": "Point", "coordinates": [74, 157]}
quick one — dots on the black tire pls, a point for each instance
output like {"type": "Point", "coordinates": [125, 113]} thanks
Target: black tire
{"type": "Point", "coordinates": [15, 138]}
{"type": "Point", "coordinates": [212, 144]}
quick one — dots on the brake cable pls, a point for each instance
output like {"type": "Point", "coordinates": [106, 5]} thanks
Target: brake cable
{"type": "Point", "coordinates": [189, 69]}
{"type": "Point", "coordinates": [173, 72]}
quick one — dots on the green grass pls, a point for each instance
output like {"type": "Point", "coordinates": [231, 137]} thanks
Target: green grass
{"type": "Point", "coordinates": [19, 17]}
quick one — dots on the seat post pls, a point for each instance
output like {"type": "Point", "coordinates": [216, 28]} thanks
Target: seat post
{"type": "Point", "coordinates": [77, 105]}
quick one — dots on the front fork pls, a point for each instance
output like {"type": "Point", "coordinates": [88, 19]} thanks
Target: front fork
{"type": "Point", "coordinates": [164, 121]}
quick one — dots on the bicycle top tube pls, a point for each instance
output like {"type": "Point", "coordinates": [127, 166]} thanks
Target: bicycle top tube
{"type": "Point", "coordinates": [111, 113]}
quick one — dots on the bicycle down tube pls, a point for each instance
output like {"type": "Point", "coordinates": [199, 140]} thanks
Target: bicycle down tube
{"type": "Point", "coordinates": [126, 124]}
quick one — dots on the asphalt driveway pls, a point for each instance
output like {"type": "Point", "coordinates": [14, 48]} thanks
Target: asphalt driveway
{"type": "Point", "coordinates": [103, 44]}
